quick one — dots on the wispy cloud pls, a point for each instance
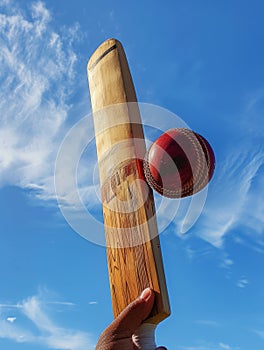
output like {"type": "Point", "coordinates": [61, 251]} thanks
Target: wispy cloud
{"type": "Point", "coordinates": [37, 76]}
{"type": "Point", "coordinates": [45, 332]}
{"type": "Point", "coordinates": [37, 73]}
{"type": "Point", "coordinates": [234, 202]}
{"type": "Point", "coordinates": [226, 262]}
{"type": "Point", "coordinates": [242, 282]}
{"type": "Point", "coordinates": [9, 306]}
{"type": "Point", "coordinates": [225, 346]}
{"type": "Point", "coordinates": [63, 303]}
{"type": "Point", "coordinates": [229, 196]}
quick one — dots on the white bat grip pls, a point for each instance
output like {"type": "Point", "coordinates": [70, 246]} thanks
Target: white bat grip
{"type": "Point", "coordinates": [144, 337]}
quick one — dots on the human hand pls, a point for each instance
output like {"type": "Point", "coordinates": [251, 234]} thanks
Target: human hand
{"type": "Point", "coordinates": [120, 335]}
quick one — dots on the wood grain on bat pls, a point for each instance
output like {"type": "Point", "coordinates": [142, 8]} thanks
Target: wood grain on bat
{"type": "Point", "coordinates": [133, 248]}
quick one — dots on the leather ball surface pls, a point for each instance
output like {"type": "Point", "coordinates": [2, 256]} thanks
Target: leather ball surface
{"type": "Point", "coordinates": [179, 163]}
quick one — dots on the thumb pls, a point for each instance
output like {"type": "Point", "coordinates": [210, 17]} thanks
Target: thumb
{"type": "Point", "coordinates": [133, 315]}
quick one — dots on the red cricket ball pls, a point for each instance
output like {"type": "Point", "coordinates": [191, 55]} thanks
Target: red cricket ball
{"type": "Point", "coordinates": [179, 163]}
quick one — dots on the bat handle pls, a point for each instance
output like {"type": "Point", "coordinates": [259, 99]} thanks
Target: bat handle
{"type": "Point", "coordinates": [144, 337]}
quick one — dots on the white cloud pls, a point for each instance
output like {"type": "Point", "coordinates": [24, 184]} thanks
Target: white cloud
{"type": "Point", "coordinates": [9, 306]}
{"type": "Point", "coordinates": [234, 201]}
{"type": "Point", "coordinates": [225, 346]}
{"type": "Point", "coordinates": [47, 333]}
{"type": "Point", "coordinates": [37, 76]}
{"type": "Point", "coordinates": [226, 263]}
{"type": "Point", "coordinates": [242, 282]}
{"type": "Point", "coordinates": [15, 333]}
{"type": "Point", "coordinates": [37, 73]}
{"type": "Point", "coordinates": [229, 195]}
{"type": "Point", "coordinates": [63, 303]}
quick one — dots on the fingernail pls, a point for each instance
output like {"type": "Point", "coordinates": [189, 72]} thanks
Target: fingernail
{"type": "Point", "coordinates": [146, 294]}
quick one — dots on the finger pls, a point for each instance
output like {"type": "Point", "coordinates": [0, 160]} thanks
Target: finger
{"type": "Point", "coordinates": [133, 315]}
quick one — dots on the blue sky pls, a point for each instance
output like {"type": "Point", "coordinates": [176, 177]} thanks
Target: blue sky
{"type": "Point", "coordinates": [200, 60]}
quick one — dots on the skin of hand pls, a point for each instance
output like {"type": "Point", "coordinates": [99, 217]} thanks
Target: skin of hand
{"type": "Point", "coordinates": [118, 336]}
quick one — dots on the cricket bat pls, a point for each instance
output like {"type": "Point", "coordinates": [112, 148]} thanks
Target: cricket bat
{"type": "Point", "coordinates": [132, 242]}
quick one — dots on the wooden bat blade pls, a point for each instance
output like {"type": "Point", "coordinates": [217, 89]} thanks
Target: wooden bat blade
{"type": "Point", "coordinates": [133, 247]}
